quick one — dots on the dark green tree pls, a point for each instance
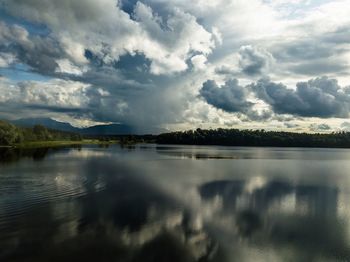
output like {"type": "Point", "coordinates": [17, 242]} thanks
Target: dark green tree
{"type": "Point", "coordinates": [9, 134]}
{"type": "Point", "coordinates": [41, 133]}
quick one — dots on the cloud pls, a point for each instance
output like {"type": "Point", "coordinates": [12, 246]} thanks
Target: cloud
{"type": "Point", "coordinates": [231, 97]}
{"type": "Point", "coordinates": [57, 96]}
{"type": "Point", "coordinates": [152, 58]}
{"type": "Point", "coordinates": [320, 97]}
{"type": "Point", "coordinates": [40, 53]}
{"type": "Point", "coordinates": [170, 47]}
{"type": "Point", "coordinates": [6, 59]}
{"type": "Point", "coordinates": [199, 62]}
{"type": "Point", "coordinates": [313, 56]}
{"type": "Point", "coordinates": [303, 49]}
{"type": "Point", "coordinates": [320, 67]}
{"type": "Point", "coordinates": [290, 125]}
{"type": "Point", "coordinates": [320, 127]}
{"type": "Point", "coordinates": [108, 32]}
{"type": "Point", "coordinates": [345, 126]}
{"type": "Point", "coordinates": [254, 61]}
{"type": "Point", "coordinates": [315, 40]}
{"type": "Point", "coordinates": [56, 93]}
{"type": "Point", "coordinates": [65, 66]}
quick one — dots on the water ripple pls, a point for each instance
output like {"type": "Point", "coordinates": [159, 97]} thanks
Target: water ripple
{"type": "Point", "coordinates": [18, 193]}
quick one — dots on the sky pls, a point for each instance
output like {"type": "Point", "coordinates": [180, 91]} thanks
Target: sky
{"type": "Point", "coordinates": [176, 64]}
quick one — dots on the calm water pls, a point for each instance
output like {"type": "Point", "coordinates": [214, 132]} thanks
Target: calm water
{"type": "Point", "coordinates": [175, 203]}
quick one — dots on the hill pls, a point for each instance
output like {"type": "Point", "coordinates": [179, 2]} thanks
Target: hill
{"type": "Point", "coordinates": [98, 130]}
{"type": "Point", "coordinates": [47, 122]}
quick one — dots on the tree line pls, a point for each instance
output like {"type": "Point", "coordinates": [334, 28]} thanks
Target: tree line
{"type": "Point", "coordinates": [11, 134]}
{"type": "Point", "coordinates": [236, 137]}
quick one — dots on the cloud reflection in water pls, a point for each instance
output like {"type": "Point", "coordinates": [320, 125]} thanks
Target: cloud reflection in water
{"type": "Point", "coordinates": [143, 205]}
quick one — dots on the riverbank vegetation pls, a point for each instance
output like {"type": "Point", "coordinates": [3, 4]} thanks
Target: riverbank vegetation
{"type": "Point", "coordinates": [39, 136]}
{"type": "Point", "coordinates": [235, 137]}
{"type": "Point", "coordinates": [11, 135]}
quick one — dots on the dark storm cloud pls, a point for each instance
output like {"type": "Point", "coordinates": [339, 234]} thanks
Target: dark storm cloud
{"type": "Point", "coordinates": [231, 97]}
{"type": "Point", "coordinates": [56, 109]}
{"type": "Point", "coordinates": [110, 79]}
{"type": "Point", "coordinates": [136, 67]}
{"type": "Point", "coordinates": [320, 97]}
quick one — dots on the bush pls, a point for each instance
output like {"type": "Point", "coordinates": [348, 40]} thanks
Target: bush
{"type": "Point", "coordinates": [9, 134]}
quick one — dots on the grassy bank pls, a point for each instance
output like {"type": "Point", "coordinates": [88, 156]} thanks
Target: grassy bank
{"type": "Point", "coordinates": [40, 144]}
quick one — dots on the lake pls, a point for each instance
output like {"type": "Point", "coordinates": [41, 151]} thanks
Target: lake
{"type": "Point", "coordinates": [174, 203]}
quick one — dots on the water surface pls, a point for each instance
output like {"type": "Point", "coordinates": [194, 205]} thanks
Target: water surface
{"type": "Point", "coordinates": [174, 203]}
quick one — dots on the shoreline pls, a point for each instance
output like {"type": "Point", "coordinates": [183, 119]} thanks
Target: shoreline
{"type": "Point", "coordinates": [62, 143]}
{"type": "Point", "coordinates": [43, 144]}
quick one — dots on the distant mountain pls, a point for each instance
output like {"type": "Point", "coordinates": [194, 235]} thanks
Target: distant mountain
{"type": "Point", "coordinates": [47, 122]}
{"type": "Point", "coordinates": [112, 129]}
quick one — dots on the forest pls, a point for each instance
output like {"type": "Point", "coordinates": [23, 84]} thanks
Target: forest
{"type": "Point", "coordinates": [236, 137]}
{"type": "Point", "coordinates": [11, 134]}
